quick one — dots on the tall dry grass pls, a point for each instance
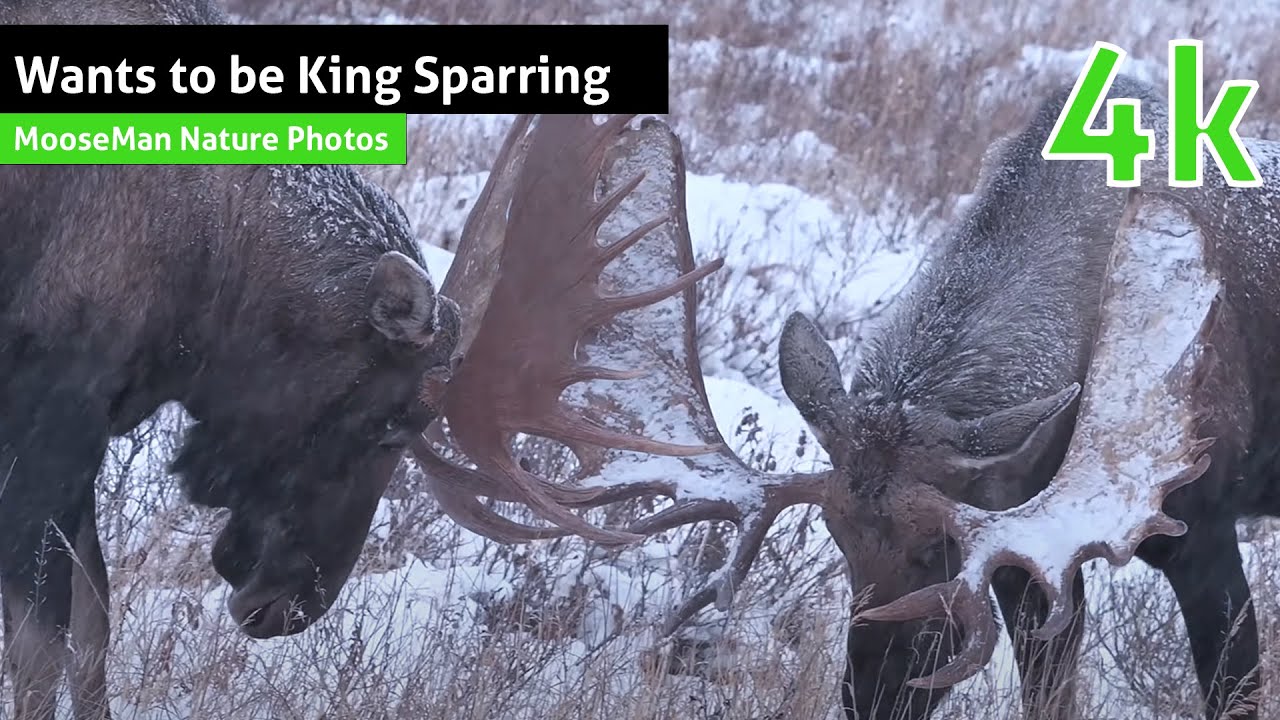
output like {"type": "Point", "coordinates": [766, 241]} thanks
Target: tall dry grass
{"type": "Point", "coordinates": [868, 104]}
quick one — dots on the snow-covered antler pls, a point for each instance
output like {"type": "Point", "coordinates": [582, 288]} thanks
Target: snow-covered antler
{"type": "Point", "coordinates": [1135, 441]}
{"type": "Point", "coordinates": [576, 282]}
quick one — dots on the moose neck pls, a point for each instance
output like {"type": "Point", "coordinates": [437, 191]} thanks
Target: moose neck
{"type": "Point", "coordinates": [1007, 310]}
{"type": "Point", "coordinates": [284, 268]}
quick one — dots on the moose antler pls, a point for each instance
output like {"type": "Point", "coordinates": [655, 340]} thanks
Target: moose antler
{"type": "Point", "coordinates": [1135, 441]}
{"type": "Point", "coordinates": [580, 243]}
{"type": "Point", "coordinates": [575, 276]}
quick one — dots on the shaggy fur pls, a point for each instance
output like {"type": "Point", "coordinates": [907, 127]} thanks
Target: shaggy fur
{"type": "Point", "coordinates": [998, 326]}
{"type": "Point", "coordinates": [285, 308]}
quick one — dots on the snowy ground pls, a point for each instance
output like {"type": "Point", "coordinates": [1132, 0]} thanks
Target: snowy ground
{"type": "Point", "coordinates": [433, 603]}
{"type": "Point", "coordinates": [828, 144]}
{"type": "Point", "coordinates": [767, 224]}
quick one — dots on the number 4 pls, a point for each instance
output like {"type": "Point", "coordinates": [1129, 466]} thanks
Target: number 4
{"type": "Point", "coordinates": [1124, 144]}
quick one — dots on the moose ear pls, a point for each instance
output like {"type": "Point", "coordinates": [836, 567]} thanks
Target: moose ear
{"type": "Point", "coordinates": [1008, 434]}
{"type": "Point", "coordinates": [810, 374]}
{"type": "Point", "coordinates": [402, 300]}
{"type": "Point", "coordinates": [448, 331]}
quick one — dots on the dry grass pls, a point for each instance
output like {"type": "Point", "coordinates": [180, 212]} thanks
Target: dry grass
{"type": "Point", "coordinates": [442, 626]}
{"type": "Point", "coordinates": [844, 102]}
{"type": "Point", "coordinates": [857, 102]}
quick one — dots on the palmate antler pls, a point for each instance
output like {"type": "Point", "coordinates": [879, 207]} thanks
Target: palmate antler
{"type": "Point", "coordinates": [1135, 441]}
{"type": "Point", "coordinates": [575, 276]}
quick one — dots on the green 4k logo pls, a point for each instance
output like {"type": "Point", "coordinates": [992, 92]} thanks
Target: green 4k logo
{"type": "Point", "coordinates": [1124, 143]}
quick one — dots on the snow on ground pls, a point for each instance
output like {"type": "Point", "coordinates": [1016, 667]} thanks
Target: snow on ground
{"type": "Point", "coordinates": [446, 594]}
{"type": "Point", "coordinates": [775, 195]}
{"type": "Point", "coordinates": [784, 250]}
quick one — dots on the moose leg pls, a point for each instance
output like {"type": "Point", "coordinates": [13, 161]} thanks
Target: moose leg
{"type": "Point", "coordinates": [37, 653]}
{"type": "Point", "coordinates": [1047, 668]}
{"type": "Point", "coordinates": [53, 437]}
{"type": "Point", "coordinates": [90, 626]}
{"type": "Point", "coordinates": [1206, 572]}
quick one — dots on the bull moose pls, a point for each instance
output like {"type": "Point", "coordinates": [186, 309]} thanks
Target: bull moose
{"type": "Point", "coordinates": [1113, 341]}
{"type": "Point", "coordinates": [287, 310]}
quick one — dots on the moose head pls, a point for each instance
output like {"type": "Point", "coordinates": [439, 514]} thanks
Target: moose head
{"type": "Point", "coordinates": [346, 348]}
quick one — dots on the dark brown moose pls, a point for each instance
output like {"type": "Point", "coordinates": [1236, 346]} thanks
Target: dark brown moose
{"type": "Point", "coordinates": [286, 309]}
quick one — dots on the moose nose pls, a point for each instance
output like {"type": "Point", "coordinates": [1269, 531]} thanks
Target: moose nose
{"type": "Point", "coordinates": [262, 617]}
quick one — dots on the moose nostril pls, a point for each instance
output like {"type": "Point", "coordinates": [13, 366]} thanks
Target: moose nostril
{"type": "Point", "coordinates": [259, 615]}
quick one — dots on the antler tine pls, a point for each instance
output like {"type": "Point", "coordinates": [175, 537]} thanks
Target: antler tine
{"type": "Point", "coordinates": [577, 345]}
{"type": "Point", "coordinates": [545, 296]}
{"type": "Point", "coordinates": [470, 279]}
{"type": "Point", "coordinates": [753, 528]}
{"type": "Point", "coordinates": [461, 479]}
{"type": "Point", "coordinates": [467, 511]}
{"type": "Point", "coordinates": [717, 486]}
{"type": "Point", "coordinates": [1136, 440]}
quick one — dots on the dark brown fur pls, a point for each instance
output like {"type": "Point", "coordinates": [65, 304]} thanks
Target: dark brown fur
{"type": "Point", "coordinates": [1002, 321]}
{"type": "Point", "coordinates": [285, 308]}
{"type": "Point", "coordinates": [239, 292]}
